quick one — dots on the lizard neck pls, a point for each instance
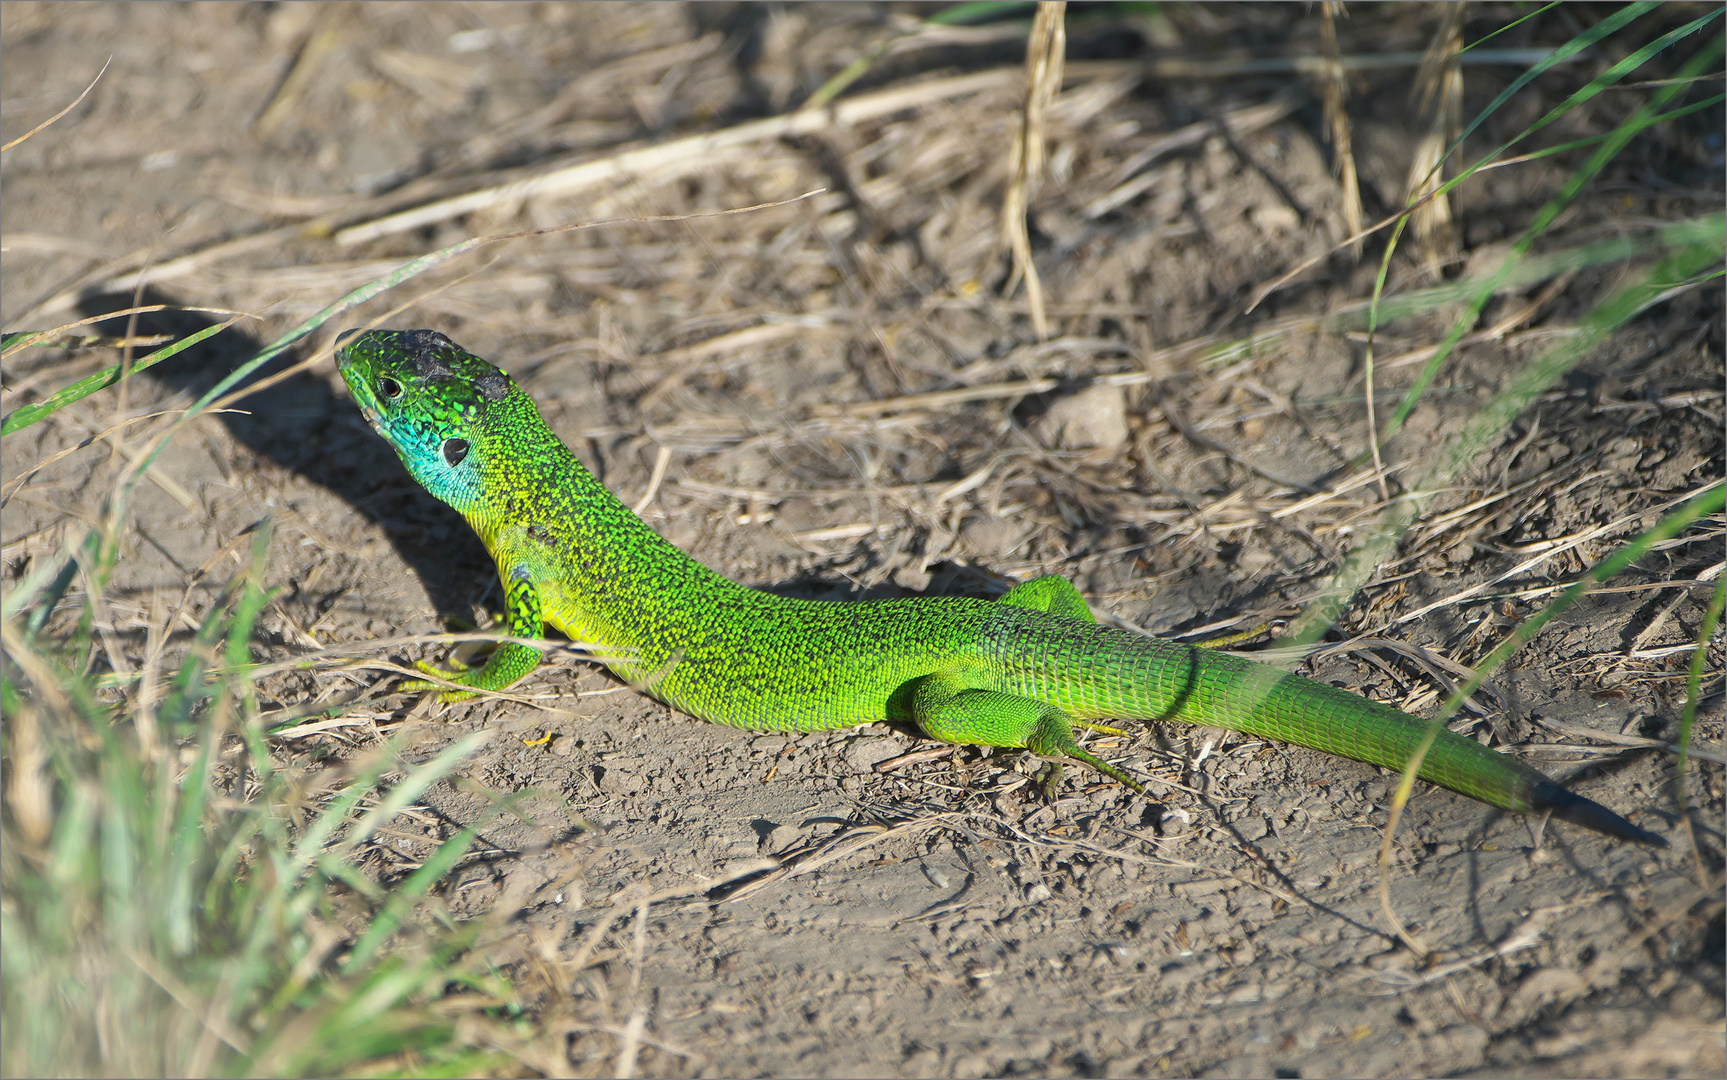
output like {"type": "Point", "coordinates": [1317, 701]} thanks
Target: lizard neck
{"type": "Point", "coordinates": [604, 575]}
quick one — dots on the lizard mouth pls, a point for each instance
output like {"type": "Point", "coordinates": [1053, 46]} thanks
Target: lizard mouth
{"type": "Point", "coordinates": [373, 416]}
{"type": "Point", "coordinates": [357, 388]}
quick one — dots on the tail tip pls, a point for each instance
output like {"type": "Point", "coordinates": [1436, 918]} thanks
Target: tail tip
{"type": "Point", "coordinates": [1578, 810]}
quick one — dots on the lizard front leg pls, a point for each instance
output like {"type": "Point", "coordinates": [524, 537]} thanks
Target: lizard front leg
{"type": "Point", "coordinates": [509, 662]}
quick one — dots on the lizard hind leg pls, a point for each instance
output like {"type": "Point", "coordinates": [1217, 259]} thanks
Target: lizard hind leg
{"type": "Point", "coordinates": [949, 711]}
{"type": "Point", "coordinates": [1051, 594]}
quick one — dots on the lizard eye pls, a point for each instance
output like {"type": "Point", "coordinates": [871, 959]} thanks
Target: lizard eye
{"type": "Point", "coordinates": [455, 451]}
{"type": "Point", "coordinates": [389, 389]}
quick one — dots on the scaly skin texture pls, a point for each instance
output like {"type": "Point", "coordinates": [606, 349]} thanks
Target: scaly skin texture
{"type": "Point", "coordinates": [1020, 671]}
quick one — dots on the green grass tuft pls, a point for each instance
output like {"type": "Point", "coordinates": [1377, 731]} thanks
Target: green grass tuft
{"type": "Point", "coordinates": [163, 913]}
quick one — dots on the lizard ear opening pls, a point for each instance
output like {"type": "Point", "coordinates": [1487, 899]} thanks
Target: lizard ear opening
{"type": "Point", "coordinates": [455, 451]}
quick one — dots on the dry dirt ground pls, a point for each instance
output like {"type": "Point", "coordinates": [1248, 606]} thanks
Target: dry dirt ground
{"type": "Point", "coordinates": [778, 905]}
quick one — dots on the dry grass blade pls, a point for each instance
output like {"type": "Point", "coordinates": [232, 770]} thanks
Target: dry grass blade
{"type": "Point", "coordinates": [1439, 667]}
{"type": "Point", "coordinates": [1336, 84]}
{"type": "Point", "coordinates": [1704, 901]}
{"type": "Point", "coordinates": [29, 794]}
{"type": "Point", "coordinates": [1439, 87]}
{"type": "Point", "coordinates": [1548, 551]}
{"type": "Point", "coordinates": [815, 856]}
{"type": "Point", "coordinates": [940, 399]}
{"type": "Point", "coordinates": [120, 276]}
{"type": "Point", "coordinates": [689, 358]}
{"type": "Point", "coordinates": [1523, 936]}
{"type": "Point", "coordinates": [1045, 56]}
{"type": "Point", "coordinates": [1128, 180]}
{"type": "Point", "coordinates": [314, 47]}
{"type": "Point", "coordinates": [662, 458]}
{"type": "Point", "coordinates": [1614, 738]}
{"type": "Point", "coordinates": [1288, 276]}
{"type": "Point", "coordinates": [187, 1000]}
{"type": "Point", "coordinates": [668, 161]}
{"type": "Point", "coordinates": [1243, 64]}
{"type": "Point", "coordinates": [62, 112]}
{"type": "Point", "coordinates": [48, 337]}
{"type": "Point", "coordinates": [632, 1036]}
{"type": "Point", "coordinates": [24, 477]}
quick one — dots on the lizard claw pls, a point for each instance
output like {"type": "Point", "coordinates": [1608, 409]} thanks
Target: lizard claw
{"type": "Point", "coordinates": [458, 672]}
{"type": "Point", "coordinates": [1050, 782]}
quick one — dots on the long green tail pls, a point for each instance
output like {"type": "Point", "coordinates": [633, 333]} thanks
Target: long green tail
{"type": "Point", "coordinates": [1128, 676]}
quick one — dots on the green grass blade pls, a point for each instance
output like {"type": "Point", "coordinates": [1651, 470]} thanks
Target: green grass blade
{"type": "Point", "coordinates": [1543, 9]}
{"type": "Point", "coordinates": [43, 575]}
{"type": "Point", "coordinates": [1640, 119]}
{"type": "Point", "coordinates": [1595, 86]}
{"type": "Point", "coordinates": [401, 901]}
{"type": "Point", "coordinates": [187, 687]}
{"type": "Point", "coordinates": [1693, 685]}
{"type": "Point", "coordinates": [317, 836]}
{"type": "Point", "coordinates": [25, 415]}
{"type": "Point", "coordinates": [977, 11]}
{"type": "Point", "coordinates": [189, 843]}
{"type": "Point", "coordinates": [74, 839]}
{"type": "Point", "coordinates": [469, 1062]}
{"type": "Point", "coordinates": [405, 793]}
{"type": "Point", "coordinates": [1488, 425]}
{"type": "Point", "coordinates": [56, 591]}
{"type": "Point", "coordinates": [377, 286]}
{"type": "Point", "coordinates": [187, 846]}
{"type": "Point", "coordinates": [1533, 378]}
{"type": "Point", "coordinates": [120, 845]}
{"type": "Point", "coordinates": [1593, 140]}
{"type": "Point", "coordinates": [1590, 37]}
{"type": "Point", "coordinates": [1710, 500]}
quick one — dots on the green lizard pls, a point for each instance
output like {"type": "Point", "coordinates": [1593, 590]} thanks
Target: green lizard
{"type": "Point", "coordinates": [1020, 671]}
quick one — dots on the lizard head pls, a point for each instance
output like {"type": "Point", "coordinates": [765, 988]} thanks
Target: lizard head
{"type": "Point", "coordinates": [430, 399]}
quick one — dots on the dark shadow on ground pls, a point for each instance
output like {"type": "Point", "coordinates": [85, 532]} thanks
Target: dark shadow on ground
{"type": "Point", "coordinates": [305, 427]}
